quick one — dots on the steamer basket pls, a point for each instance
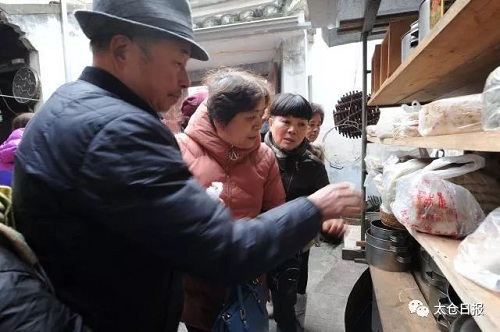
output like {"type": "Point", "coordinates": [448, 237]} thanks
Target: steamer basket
{"type": "Point", "coordinates": [390, 220]}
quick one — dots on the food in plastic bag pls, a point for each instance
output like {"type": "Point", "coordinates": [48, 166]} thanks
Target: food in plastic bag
{"type": "Point", "coordinates": [371, 130]}
{"type": "Point", "coordinates": [392, 172]}
{"type": "Point", "coordinates": [388, 118]}
{"type": "Point", "coordinates": [491, 101]}
{"type": "Point", "coordinates": [385, 129]}
{"type": "Point", "coordinates": [483, 187]}
{"type": "Point", "coordinates": [451, 116]}
{"type": "Point", "coordinates": [374, 169]}
{"type": "Point", "coordinates": [408, 127]}
{"type": "Point", "coordinates": [427, 202]}
{"type": "Point", "coordinates": [478, 256]}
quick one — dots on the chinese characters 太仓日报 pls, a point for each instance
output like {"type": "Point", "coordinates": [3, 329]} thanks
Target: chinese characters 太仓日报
{"type": "Point", "coordinates": [473, 309]}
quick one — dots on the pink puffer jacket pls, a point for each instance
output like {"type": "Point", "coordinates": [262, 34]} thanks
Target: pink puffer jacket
{"type": "Point", "coordinates": [8, 150]}
{"type": "Point", "coordinates": [251, 185]}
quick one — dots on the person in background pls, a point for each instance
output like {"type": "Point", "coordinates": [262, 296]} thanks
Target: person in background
{"type": "Point", "coordinates": [313, 130]}
{"type": "Point", "coordinates": [28, 301]}
{"type": "Point", "coordinates": [189, 106]}
{"type": "Point", "coordinates": [9, 147]}
{"type": "Point", "coordinates": [222, 144]}
{"type": "Point", "coordinates": [172, 119]}
{"type": "Point", "coordinates": [302, 173]}
{"type": "Point", "coordinates": [105, 199]}
{"type": "Point", "coordinates": [265, 124]}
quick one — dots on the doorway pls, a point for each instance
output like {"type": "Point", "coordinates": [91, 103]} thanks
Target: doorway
{"type": "Point", "coordinates": [19, 82]}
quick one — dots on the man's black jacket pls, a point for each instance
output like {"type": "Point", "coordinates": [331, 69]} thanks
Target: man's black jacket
{"type": "Point", "coordinates": [103, 197]}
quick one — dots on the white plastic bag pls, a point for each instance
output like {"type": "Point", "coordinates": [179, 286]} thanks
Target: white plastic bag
{"type": "Point", "coordinates": [425, 201]}
{"type": "Point", "coordinates": [374, 169]}
{"type": "Point", "coordinates": [491, 101]}
{"type": "Point", "coordinates": [215, 190]}
{"type": "Point", "coordinates": [388, 118]}
{"type": "Point", "coordinates": [413, 108]}
{"type": "Point", "coordinates": [371, 130]}
{"type": "Point", "coordinates": [408, 127]}
{"type": "Point", "coordinates": [451, 116]}
{"type": "Point", "coordinates": [478, 256]}
{"type": "Point", "coordinates": [392, 172]}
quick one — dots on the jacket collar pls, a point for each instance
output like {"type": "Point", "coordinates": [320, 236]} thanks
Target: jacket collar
{"type": "Point", "coordinates": [103, 79]}
{"type": "Point", "coordinates": [201, 130]}
{"type": "Point", "coordinates": [282, 154]}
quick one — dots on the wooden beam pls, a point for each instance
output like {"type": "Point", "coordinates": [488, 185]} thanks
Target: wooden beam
{"type": "Point", "coordinates": [443, 251]}
{"type": "Point", "coordinates": [453, 59]}
{"type": "Point", "coordinates": [393, 292]}
{"type": "Point", "coordinates": [479, 141]}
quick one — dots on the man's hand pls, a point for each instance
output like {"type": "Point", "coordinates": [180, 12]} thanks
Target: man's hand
{"type": "Point", "coordinates": [334, 227]}
{"type": "Point", "coordinates": [338, 200]}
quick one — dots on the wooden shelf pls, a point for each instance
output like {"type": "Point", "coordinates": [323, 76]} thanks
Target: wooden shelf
{"type": "Point", "coordinates": [454, 58]}
{"type": "Point", "coordinates": [393, 292]}
{"type": "Point", "coordinates": [480, 141]}
{"type": "Point", "coordinates": [443, 251]}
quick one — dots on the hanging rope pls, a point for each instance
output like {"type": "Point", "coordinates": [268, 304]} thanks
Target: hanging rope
{"type": "Point", "coordinates": [8, 96]}
{"type": "Point", "coordinates": [5, 101]}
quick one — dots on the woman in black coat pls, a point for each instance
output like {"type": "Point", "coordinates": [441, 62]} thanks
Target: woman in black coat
{"type": "Point", "coordinates": [302, 173]}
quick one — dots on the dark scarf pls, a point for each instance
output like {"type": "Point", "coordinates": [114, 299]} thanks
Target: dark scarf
{"type": "Point", "coordinates": [294, 154]}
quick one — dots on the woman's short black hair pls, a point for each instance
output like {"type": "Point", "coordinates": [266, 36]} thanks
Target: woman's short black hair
{"type": "Point", "coordinates": [289, 104]}
{"type": "Point", "coordinates": [317, 109]}
{"type": "Point", "coordinates": [232, 91]}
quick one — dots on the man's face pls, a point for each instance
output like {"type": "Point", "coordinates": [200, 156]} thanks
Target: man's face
{"type": "Point", "coordinates": [288, 131]}
{"type": "Point", "coordinates": [158, 75]}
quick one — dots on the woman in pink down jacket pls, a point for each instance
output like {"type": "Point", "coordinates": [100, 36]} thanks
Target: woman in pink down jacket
{"type": "Point", "coordinates": [9, 147]}
{"type": "Point", "coordinates": [222, 144]}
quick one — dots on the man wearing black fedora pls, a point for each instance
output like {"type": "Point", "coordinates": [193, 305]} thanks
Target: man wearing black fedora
{"type": "Point", "coordinates": [103, 196]}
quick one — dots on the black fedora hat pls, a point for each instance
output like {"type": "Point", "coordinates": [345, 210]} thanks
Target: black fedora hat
{"type": "Point", "coordinates": [169, 17]}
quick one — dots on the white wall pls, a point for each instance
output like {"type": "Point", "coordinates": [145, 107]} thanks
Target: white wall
{"type": "Point", "coordinates": [40, 2]}
{"type": "Point", "coordinates": [294, 64]}
{"type": "Point", "coordinates": [43, 31]}
{"type": "Point", "coordinates": [336, 71]}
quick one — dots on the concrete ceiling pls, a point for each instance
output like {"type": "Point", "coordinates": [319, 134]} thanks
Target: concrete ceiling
{"type": "Point", "coordinates": [231, 52]}
{"type": "Point", "coordinates": [246, 42]}
{"type": "Point", "coordinates": [329, 14]}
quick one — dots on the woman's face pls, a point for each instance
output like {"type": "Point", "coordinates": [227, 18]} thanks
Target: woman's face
{"type": "Point", "coordinates": [313, 127]}
{"type": "Point", "coordinates": [288, 132]}
{"type": "Point", "coordinates": [244, 129]}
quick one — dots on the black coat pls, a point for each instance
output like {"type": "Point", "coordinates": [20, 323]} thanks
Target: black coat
{"type": "Point", "coordinates": [103, 196]}
{"type": "Point", "coordinates": [27, 301]}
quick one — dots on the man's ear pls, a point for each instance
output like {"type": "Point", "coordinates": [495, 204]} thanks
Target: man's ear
{"type": "Point", "coordinates": [120, 46]}
{"type": "Point", "coordinates": [270, 121]}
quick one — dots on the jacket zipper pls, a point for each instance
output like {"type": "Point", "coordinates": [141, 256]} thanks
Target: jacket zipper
{"type": "Point", "coordinates": [296, 168]}
{"type": "Point", "coordinates": [232, 156]}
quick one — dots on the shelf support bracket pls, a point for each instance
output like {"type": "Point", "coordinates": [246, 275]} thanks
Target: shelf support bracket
{"type": "Point", "coordinates": [371, 11]}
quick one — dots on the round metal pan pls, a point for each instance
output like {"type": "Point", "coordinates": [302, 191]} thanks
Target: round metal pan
{"type": "Point", "coordinates": [386, 260]}
{"type": "Point", "coordinates": [396, 247]}
{"type": "Point", "coordinates": [378, 229]}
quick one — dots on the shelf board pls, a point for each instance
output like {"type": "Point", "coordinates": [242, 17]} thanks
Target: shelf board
{"type": "Point", "coordinates": [443, 251]}
{"type": "Point", "coordinates": [393, 298]}
{"type": "Point", "coordinates": [479, 141]}
{"type": "Point", "coordinates": [454, 58]}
